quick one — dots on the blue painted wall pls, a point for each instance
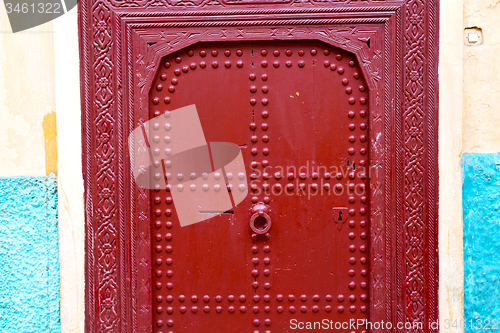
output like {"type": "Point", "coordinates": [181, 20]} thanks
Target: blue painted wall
{"type": "Point", "coordinates": [29, 265]}
{"type": "Point", "coordinates": [481, 217]}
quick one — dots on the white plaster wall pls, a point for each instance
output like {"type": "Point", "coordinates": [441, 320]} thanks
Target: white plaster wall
{"type": "Point", "coordinates": [26, 95]}
{"type": "Point", "coordinates": [451, 268]}
{"type": "Point", "coordinates": [482, 79]}
{"type": "Point", "coordinates": [71, 208]}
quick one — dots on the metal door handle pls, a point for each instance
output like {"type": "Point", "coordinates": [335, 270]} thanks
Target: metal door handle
{"type": "Point", "coordinates": [260, 221]}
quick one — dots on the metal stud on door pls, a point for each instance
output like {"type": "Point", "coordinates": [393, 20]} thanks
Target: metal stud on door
{"type": "Point", "coordinates": [299, 111]}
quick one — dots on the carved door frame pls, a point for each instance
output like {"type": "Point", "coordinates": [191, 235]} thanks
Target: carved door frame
{"type": "Point", "coordinates": [396, 43]}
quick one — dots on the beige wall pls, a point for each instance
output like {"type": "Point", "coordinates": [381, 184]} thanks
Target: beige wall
{"type": "Point", "coordinates": [26, 95]}
{"type": "Point", "coordinates": [451, 268]}
{"type": "Point", "coordinates": [469, 122]}
{"type": "Point", "coordinates": [70, 181]}
{"type": "Point", "coordinates": [482, 79]}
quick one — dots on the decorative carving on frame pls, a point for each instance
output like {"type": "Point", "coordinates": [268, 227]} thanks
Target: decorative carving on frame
{"type": "Point", "coordinates": [121, 44]}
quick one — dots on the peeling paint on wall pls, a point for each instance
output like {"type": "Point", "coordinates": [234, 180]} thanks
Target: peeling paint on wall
{"type": "Point", "coordinates": [50, 136]}
{"type": "Point", "coordinates": [481, 207]}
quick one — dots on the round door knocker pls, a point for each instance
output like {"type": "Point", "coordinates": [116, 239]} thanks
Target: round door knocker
{"type": "Point", "coordinates": [260, 221]}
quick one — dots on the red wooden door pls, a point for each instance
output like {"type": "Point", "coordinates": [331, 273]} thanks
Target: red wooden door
{"type": "Point", "coordinates": [343, 243]}
{"type": "Point", "coordinates": [299, 112]}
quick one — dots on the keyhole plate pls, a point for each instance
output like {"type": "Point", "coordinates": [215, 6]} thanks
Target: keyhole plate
{"type": "Point", "coordinates": [339, 215]}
